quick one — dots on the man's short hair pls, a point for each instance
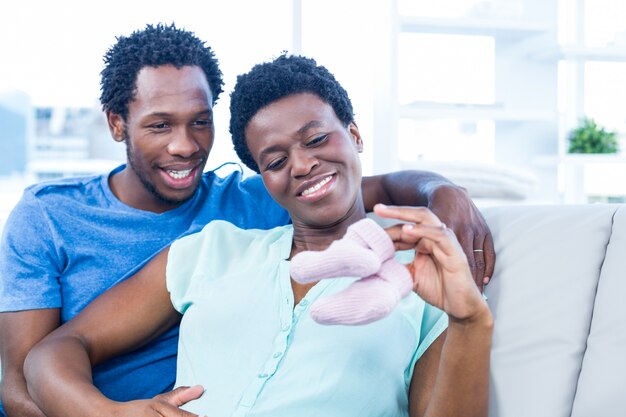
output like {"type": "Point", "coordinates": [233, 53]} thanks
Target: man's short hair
{"type": "Point", "coordinates": [271, 81]}
{"type": "Point", "coordinates": [152, 47]}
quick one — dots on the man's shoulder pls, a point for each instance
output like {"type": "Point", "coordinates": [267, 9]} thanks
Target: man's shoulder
{"type": "Point", "coordinates": [63, 184]}
{"type": "Point", "coordinates": [58, 193]}
{"type": "Point", "coordinates": [234, 183]}
{"type": "Point", "coordinates": [227, 173]}
{"type": "Point", "coordinates": [241, 200]}
{"type": "Point", "coordinates": [213, 178]}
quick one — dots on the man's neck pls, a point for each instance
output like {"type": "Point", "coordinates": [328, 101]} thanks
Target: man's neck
{"type": "Point", "coordinates": [129, 189]}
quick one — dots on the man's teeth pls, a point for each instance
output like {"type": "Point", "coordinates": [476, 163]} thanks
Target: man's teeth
{"type": "Point", "coordinates": [317, 186]}
{"type": "Point", "coordinates": [178, 175]}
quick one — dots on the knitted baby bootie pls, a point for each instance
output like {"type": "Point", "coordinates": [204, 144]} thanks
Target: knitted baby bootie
{"type": "Point", "coordinates": [365, 251]}
{"type": "Point", "coordinates": [366, 300]}
{"type": "Point", "coordinates": [343, 258]}
{"type": "Point", "coordinates": [359, 253]}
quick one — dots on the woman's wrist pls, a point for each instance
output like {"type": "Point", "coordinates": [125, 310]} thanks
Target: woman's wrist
{"type": "Point", "coordinates": [481, 318]}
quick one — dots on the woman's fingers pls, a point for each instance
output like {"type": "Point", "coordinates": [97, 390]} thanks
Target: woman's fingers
{"type": "Point", "coordinates": [470, 229]}
{"type": "Point", "coordinates": [407, 214]}
{"type": "Point", "coordinates": [400, 239]}
{"type": "Point", "coordinates": [440, 267]}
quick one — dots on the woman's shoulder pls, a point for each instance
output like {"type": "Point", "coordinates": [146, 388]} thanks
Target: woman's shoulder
{"type": "Point", "coordinates": [220, 238]}
{"type": "Point", "coordinates": [220, 251]}
{"type": "Point", "coordinates": [220, 228]}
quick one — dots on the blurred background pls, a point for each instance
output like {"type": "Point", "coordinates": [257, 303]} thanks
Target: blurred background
{"type": "Point", "coordinates": [519, 101]}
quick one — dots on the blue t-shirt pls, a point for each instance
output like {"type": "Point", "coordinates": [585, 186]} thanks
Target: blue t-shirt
{"type": "Point", "coordinates": [69, 240]}
{"type": "Point", "coordinates": [256, 354]}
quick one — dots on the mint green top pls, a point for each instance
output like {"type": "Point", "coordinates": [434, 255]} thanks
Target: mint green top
{"type": "Point", "coordinates": [257, 355]}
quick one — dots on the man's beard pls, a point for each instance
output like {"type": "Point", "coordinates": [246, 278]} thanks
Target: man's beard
{"type": "Point", "coordinates": [130, 157]}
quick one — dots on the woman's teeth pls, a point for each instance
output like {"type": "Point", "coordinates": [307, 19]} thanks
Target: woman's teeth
{"type": "Point", "coordinates": [179, 175]}
{"type": "Point", "coordinates": [317, 186]}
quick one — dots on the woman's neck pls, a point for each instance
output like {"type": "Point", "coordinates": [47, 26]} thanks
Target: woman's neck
{"type": "Point", "coordinates": [307, 237]}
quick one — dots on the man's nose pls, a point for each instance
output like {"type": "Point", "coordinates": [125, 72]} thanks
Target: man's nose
{"type": "Point", "coordinates": [183, 143]}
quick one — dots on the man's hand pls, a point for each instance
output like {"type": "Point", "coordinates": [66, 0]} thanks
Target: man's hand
{"type": "Point", "coordinates": [163, 405]}
{"type": "Point", "coordinates": [455, 208]}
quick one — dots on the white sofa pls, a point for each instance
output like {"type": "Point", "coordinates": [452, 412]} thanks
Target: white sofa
{"type": "Point", "coordinates": [559, 299]}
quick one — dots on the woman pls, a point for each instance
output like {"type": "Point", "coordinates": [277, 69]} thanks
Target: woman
{"type": "Point", "coordinates": [246, 335]}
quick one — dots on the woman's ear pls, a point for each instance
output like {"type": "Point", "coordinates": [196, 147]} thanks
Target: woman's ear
{"type": "Point", "coordinates": [353, 129]}
{"type": "Point", "coordinates": [116, 126]}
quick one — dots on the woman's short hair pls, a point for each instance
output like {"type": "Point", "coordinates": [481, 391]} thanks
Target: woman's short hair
{"type": "Point", "coordinates": [271, 81]}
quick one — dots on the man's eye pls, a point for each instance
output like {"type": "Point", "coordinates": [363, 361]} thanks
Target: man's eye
{"type": "Point", "coordinates": [203, 122]}
{"type": "Point", "coordinates": [160, 126]}
{"type": "Point", "coordinates": [318, 140]}
{"type": "Point", "coordinates": [275, 164]}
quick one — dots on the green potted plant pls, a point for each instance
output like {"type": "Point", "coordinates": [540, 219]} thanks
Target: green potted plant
{"type": "Point", "coordinates": [591, 138]}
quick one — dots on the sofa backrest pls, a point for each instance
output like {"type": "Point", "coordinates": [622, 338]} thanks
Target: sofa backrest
{"type": "Point", "coordinates": [558, 296]}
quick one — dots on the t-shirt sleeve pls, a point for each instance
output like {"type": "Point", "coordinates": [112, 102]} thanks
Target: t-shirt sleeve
{"type": "Point", "coordinates": [428, 325]}
{"type": "Point", "coordinates": [181, 268]}
{"type": "Point", "coordinates": [199, 258]}
{"type": "Point", "coordinates": [434, 322]}
{"type": "Point", "coordinates": [30, 264]}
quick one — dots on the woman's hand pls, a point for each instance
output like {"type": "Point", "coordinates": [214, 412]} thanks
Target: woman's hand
{"type": "Point", "coordinates": [440, 271]}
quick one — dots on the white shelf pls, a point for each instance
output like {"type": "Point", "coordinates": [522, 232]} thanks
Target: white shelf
{"type": "Point", "coordinates": [470, 112]}
{"type": "Point", "coordinates": [498, 27]}
{"type": "Point", "coordinates": [574, 172]}
{"type": "Point", "coordinates": [525, 121]}
{"type": "Point", "coordinates": [582, 53]}
{"type": "Point", "coordinates": [580, 159]}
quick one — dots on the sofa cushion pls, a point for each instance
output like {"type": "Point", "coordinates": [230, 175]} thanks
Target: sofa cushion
{"type": "Point", "coordinates": [602, 382]}
{"type": "Point", "coordinates": [542, 296]}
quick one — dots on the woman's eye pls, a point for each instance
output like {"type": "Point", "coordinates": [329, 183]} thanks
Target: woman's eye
{"type": "Point", "coordinates": [318, 140]}
{"type": "Point", "coordinates": [275, 164]}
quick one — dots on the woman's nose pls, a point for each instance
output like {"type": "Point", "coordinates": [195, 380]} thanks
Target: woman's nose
{"type": "Point", "coordinates": [303, 162]}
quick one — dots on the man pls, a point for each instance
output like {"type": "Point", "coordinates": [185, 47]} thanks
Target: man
{"type": "Point", "coordinates": [70, 240]}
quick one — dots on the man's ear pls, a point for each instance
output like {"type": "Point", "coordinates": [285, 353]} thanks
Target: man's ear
{"type": "Point", "coordinates": [353, 129]}
{"type": "Point", "coordinates": [116, 126]}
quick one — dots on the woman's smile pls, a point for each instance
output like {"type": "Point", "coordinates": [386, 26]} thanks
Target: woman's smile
{"type": "Point", "coordinates": [316, 188]}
